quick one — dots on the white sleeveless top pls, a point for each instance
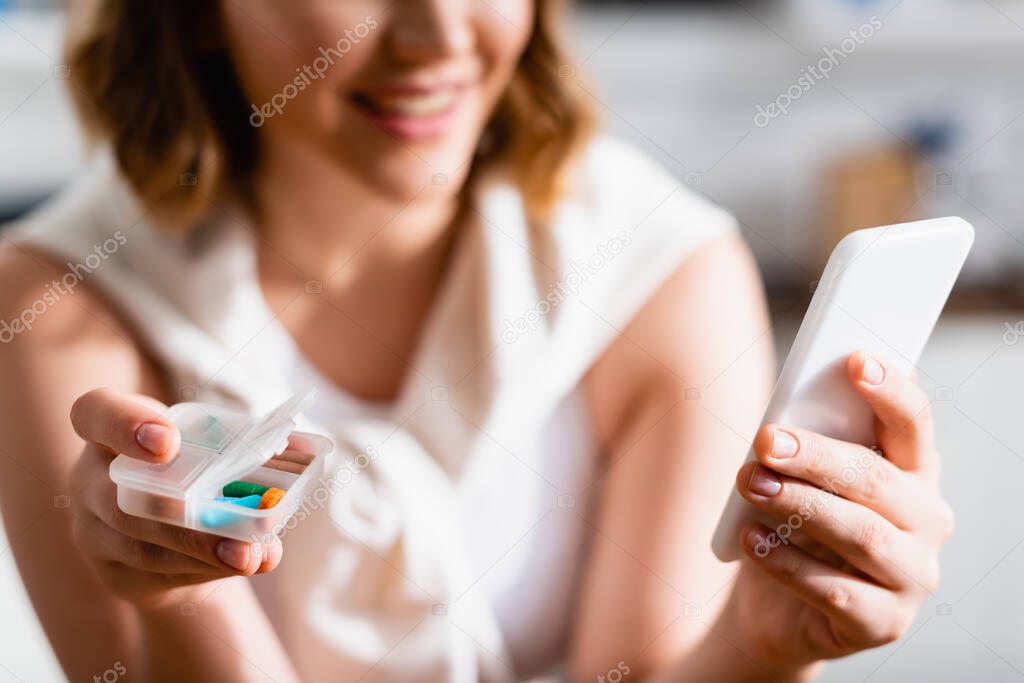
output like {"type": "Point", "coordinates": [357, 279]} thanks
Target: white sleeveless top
{"type": "Point", "coordinates": [445, 543]}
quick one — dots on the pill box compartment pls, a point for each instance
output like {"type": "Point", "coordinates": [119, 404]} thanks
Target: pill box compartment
{"type": "Point", "coordinates": [219, 446]}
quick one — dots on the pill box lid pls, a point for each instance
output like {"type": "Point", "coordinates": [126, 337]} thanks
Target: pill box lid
{"type": "Point", "coordinates": [258, 441]}
{"type": "Point", "coordinates": [210, 458]}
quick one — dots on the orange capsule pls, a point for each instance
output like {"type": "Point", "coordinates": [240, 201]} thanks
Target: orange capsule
{"type": "Point", "coordinates": [270, 498]}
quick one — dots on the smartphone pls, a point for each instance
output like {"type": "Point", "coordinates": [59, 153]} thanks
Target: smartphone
{"type": "Point", "coordinates": [882, 290]}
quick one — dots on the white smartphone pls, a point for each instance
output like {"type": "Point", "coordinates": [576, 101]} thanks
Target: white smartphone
{"type": "Point", "coordinates": [882, 290]}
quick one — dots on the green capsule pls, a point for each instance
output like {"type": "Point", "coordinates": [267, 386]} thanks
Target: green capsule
{"type": "Point", "coordinates": [241, 489]}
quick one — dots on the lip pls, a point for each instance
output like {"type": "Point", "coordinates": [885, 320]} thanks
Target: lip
{"type": "Point", "coordinates": [415, 88]}
{"type": "Point", "coordinates": [407, 126]}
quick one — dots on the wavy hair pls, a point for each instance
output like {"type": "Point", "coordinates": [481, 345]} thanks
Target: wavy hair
{"type": "Point", "coordinates": [144, 82]}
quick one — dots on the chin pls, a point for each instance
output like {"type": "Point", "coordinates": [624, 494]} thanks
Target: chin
{"type": "Point", "coordinates": [403, 181]}
{"type": "Point", "coordinates": [404, 172]}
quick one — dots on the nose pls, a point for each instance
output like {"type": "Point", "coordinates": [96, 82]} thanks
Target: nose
{"type": "Point", "coordinates": [424, 30]}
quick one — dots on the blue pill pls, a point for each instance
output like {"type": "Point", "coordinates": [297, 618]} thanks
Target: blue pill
{"type": "Point", "coordinates": [252, 501]}
{"type": "Point", "coordinates": [215, 517]}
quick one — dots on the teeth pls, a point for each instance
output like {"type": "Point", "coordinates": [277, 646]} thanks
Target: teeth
{"type": "Point", "coordinates": [415, 105]}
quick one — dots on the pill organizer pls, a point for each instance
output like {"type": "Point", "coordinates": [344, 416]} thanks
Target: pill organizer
{"type": "Point", "coordinates": [219, 446]}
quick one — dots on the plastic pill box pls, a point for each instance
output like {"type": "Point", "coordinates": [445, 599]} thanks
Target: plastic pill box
{"type": "Point", "coordinates": [219, 446]}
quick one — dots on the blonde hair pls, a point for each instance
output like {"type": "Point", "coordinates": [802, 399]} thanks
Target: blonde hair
{"type": "Point", "coordinates": [176, 121]}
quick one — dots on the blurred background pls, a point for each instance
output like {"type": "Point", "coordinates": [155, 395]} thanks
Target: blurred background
{"type": "Point", "coordinates": [805, 118]}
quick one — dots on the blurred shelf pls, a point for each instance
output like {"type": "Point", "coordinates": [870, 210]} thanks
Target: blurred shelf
{"type": "Point", "coordinates": [39, 142]}
{"type": "Point", "coordinates": [933, 29]}
{"type": "Point", "coordinates": [791, 303]}
{"type": "Point", "coordinates": [34, 38]}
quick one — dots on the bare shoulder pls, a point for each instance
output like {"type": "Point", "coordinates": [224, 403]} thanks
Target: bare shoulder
{"type": "Point", "coordinates": [709, 315]}
{"type": "Point", "coordinates": [670, 402]}
{"type": "Point", "coordinates": [56, 343]}
{"type": "Point", "coordinates": [35, 298]}
{"type": "Point", "coordinates": [41, 309]}
{"type": "Point", "coordinates": [58, 334]}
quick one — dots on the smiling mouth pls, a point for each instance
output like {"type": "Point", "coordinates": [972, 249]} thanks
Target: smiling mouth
{"type": "Point", "coordinates": [412, 104]}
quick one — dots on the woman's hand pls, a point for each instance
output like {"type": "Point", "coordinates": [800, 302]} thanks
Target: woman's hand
{"type": "Point", "coordinates": [856, 547]}
{"type": "Point", "coordinates": [146, 562]}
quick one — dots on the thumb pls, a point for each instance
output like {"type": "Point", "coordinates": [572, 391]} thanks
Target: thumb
{"type": "Point", "coordinates": [128, 424]}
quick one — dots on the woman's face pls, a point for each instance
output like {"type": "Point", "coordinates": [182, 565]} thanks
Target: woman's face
{"type": "Point", "coordinates": [397, 92]}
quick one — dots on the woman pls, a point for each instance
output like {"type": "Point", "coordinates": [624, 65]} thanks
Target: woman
{"type": "Point", "coordinates": [541, 353]}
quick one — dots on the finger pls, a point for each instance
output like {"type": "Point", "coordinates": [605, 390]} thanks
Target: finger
{"type": "Point", "coordinates": [243, 556]}
{"type": "Point", "coordinates": [132, 552]}
{"type": "Point", "coordinates": [846, 469]}
{"type": "Point", "coordinates": [91, 470]}
{"type": "Point", "coordinates": [904, 426]}
{"type": "Point", "coordinates": [277, 463]}
{"type": "Point", "coordinates": [272, 551]}
{"type": "Point", "coordinates": [862, 537]}
{"type": "Point", "coordinates": [296, 456]}
{"type": "Point", "coordinates": [123, 425]}
{"type": "Point", "coordinates": [298, 442]}
{"type": "Point", "coordinates": [215, 551]}
{"type": "Point", "coordinates": [856, 606]}
{"type": "Point", "coordinates": [783, 534]}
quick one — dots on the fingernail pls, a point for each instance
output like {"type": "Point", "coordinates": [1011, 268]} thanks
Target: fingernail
{"type": "Point", "coordinates": [155, 438]}
{"type": "Point", "coordinates": [873, 373]}
{"type": "Point", "coordinates": [784, 445]}
{"type": "Point", "coordinates": [234, 553]}
{"type": "Point", "coordinates": [763, 482]}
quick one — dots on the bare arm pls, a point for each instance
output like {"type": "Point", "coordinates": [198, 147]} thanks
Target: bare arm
{"type": "Point", "coordinates": [72, 346]}
{"type": "Point", "coordinates": [653, 590]}
{"type": "Point", "coordinates": [872, 522]}
{"type": "Point", "coordinates": [76, 344]}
